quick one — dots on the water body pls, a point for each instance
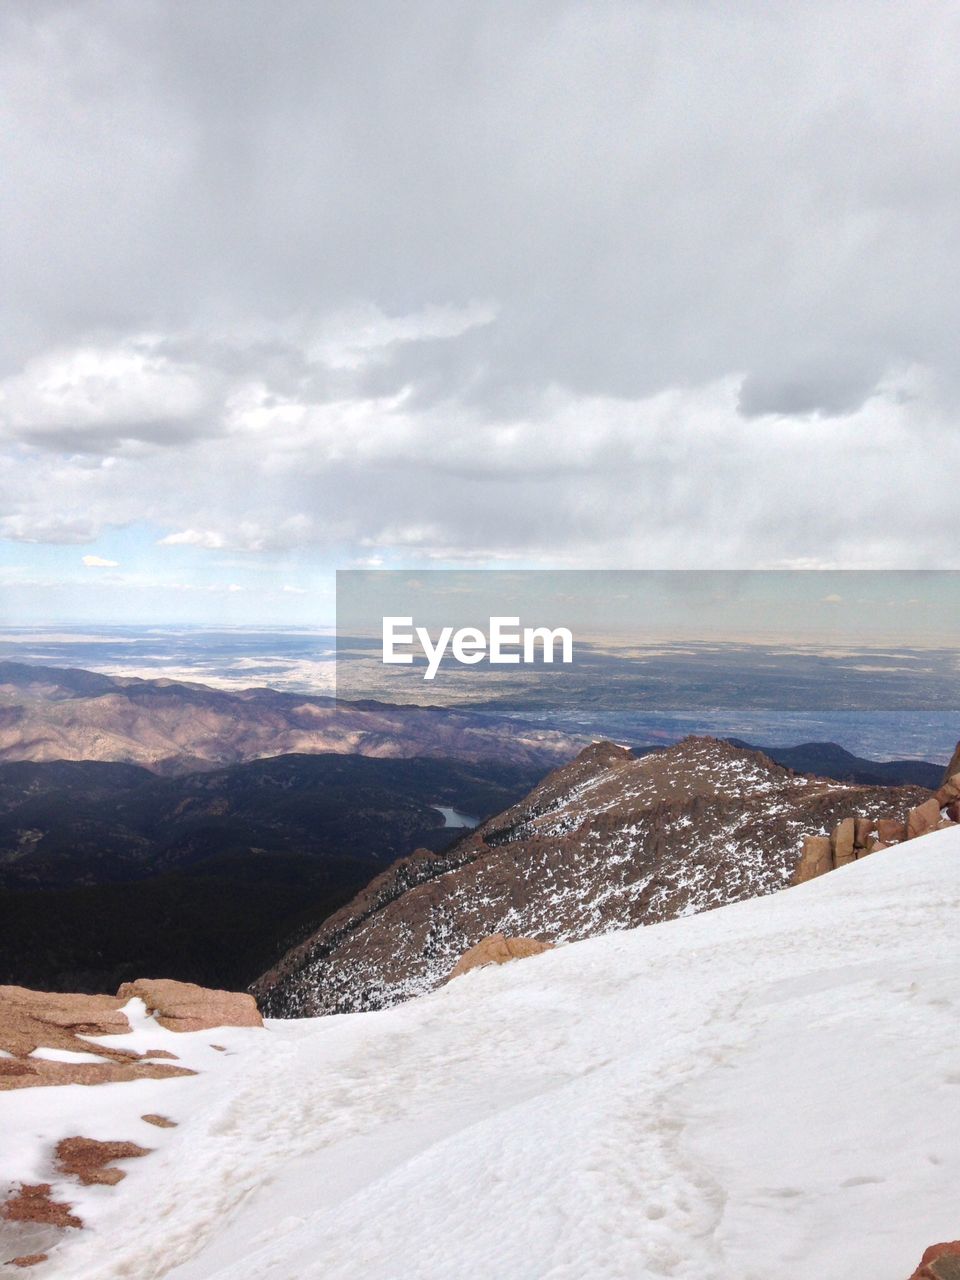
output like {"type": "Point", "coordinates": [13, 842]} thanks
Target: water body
{"type": "Point", "coordinates": [454, 818]}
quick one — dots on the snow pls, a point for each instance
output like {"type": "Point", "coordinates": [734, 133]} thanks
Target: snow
{"type": "Point", "coordinates": [768, 1089]}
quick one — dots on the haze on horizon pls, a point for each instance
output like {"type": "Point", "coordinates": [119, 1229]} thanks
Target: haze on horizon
{"type": "Point", "coordinates": [574, 283]}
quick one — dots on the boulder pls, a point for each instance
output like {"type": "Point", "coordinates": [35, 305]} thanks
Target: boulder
{"type": "Point", "coordinates": [497, 949]}
{"type": "Point", "coordinates": [954, 765]}
{"type": "Point", "coordinates": [183, 1006]}
{"type": "Point", "coordinates": [864, 829]}
{"type": "Point", "coordinates": [950, 791]}
{"type": "Point", "coordinates": [953, 811]}
{"type": "Point", "coordinates": [939, 1262]}
{"type": "Point", "coordinates": [816, 858]}
{"type": "Point", "coordinates": [891, 830]}
{"type": "Point", "coordinates": [923, 819]}
{"type": "Point", "coordinates": [842, 841]}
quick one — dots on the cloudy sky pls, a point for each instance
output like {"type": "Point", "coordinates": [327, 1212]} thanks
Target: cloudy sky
{"type": "Point", "coordinates": [292, 286]}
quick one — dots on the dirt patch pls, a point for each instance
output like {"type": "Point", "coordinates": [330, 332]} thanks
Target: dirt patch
{"type": "Point", "coordinates": [34, 1203]}
{"type": "Point", "coordinates": [91, 1162]}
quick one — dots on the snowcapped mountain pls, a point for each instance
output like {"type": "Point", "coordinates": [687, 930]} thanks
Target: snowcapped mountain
{"type": "Point", "coordinates": [606, 842]}
{"type": "Point", "coordinates": [770, 1089]}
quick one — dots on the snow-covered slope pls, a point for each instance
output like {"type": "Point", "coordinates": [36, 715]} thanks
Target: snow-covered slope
{"type": "Point", "coordinates": [769, 1089]}
{"type": "Point", "coordinates": [609, 841]}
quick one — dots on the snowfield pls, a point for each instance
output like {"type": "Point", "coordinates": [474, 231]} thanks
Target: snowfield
{"type": "Point", "coordinates": [769, 1089]}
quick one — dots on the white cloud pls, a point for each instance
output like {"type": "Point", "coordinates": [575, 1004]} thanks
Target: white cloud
{"type": "Point", "coordinates": [98, 562]}
{"type": "Point", "coordinates": [622, 282]}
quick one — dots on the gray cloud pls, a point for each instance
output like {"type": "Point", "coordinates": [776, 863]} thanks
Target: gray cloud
{"type": "Point", "coordinates": [617, 279]}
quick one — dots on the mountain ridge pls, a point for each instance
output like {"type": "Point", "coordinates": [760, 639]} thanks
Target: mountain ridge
{"type": "Point", "coordinates": [610, 840]}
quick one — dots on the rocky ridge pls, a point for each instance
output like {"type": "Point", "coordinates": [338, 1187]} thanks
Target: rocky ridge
{"type": "Point", "coordinates": [607, 842]}
{"type": "Point", "coordinates": [857, 837]}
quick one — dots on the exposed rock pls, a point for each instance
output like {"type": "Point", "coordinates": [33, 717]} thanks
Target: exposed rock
{"type": "Point", "coordinates": [842, 842]}
{"type": "Point", "coordinates": [816, 858]}
{"type": "Point", "coordinates": [91, 1162]}
{"type": "Point", "coordinates": [498, 949]}
{"type": "Point", "coordinates": [891, 830]}
{"type": "Point", "coordinates": [41, 1071]}
{"type": "Point", "coordinates": [939, 1262]}
{"type": "Point", "coordinates": [953, 811]}
{"type": "Point", "coordinates": [34, 1203]}
{"type": "Point", "coordinates": [183, 1006]}
{"type": "Point", "coordinates": [950, 790]}
{"type": "Point", "coordinates": [28, 1260]}
{"type": "Point", "coordinates": [31, 1019]}
{"type": "Point", "coordinates": [161, 1122]}
{"type": "Point", "coordinates": [865, 827]}
{"type": "Point", "coordinates": [923, 818]}
{"type": "Point", "coordinates": [954, 765]}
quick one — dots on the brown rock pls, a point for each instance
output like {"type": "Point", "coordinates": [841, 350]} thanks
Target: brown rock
{"type": "Point", "coordinates": [40, 1071]}
{"type": "Point", "coordinates": [950, 790]}
{"type": "Point", "coordinates": [864, 828]}
{"type": "Point", "coordinates": [842, 841]}
{"type": "Point", "coordinates": [816, 858]}
{"type": "Point", "coordinates": [939, 1262]}
{"type": "Point", "coordinates": [498, 949]}
{"type": "Point", "coordinates": [891, 830]}
{"type": "Point", "coordinates": [33, 1203]}
{"type": "Point", "coordinates": [161, 1122]}
{"type": "Point", "coordinates": [183, 1006]}
{"type": "Point", "coordinates": [923, 819]}
{"type": "Point", "coordinates": [91, 1161]}
{"type": "Point", "coordinates": [29, 1019]}
{"type": "Point", "coordinates": [953, 811]}
{"type": "Point", "coordinates": [28, 1260]}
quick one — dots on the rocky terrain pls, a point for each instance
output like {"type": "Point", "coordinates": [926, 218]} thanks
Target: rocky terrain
{"type": "Point", "coordinates": [607, 842]}
{"type": "Point", "coordinates": [49, 713]}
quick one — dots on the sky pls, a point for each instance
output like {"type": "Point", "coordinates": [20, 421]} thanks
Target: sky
{"type": "Point", "coordinates": [297, 286]}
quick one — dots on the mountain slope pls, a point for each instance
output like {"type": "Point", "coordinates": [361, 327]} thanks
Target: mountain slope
{"type": "Point", "coordinates": [766, 1090]}
{"type": "Point", "coordinates": [49, 713]}
{"type": "Point", "coordinates": [608, 842]}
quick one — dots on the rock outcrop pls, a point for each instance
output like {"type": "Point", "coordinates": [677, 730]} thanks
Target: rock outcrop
{"type": "Point", "coordinates": [43, 1020]}
{"type": "Point", "coordinates": [498, 949]}
{"type": "Point", "coordinates": [939, 1262]}
{"type": "Point", "coordinates": [609, 841]}
{"type": "Point", "coordinates": [183, 1006]}
{"type": "Point", "coordinates": [854, 838]}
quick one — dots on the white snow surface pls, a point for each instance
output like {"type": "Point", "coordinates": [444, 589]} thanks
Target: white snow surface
{"type": "Point", "coordinates": [768, 1089]}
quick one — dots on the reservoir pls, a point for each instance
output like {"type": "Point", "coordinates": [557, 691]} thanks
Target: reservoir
{"type": "Point", "coordinates": [454, 818]}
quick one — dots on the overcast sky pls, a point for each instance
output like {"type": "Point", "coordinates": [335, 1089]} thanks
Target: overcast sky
{"type": "Point", "coordinates": [290, 286]}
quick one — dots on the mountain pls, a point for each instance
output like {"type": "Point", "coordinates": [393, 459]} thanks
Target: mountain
{"type": "Point", "coordinates": [828, 760]}
{"type": "Point", "coordinates": [766, 1090]}
{"type": "Point", "coordinates": [50, 713]}
{"type": "Point", "coordinates": [108, 871]}
{"type": "Point", "coordinates": [607, 842]}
